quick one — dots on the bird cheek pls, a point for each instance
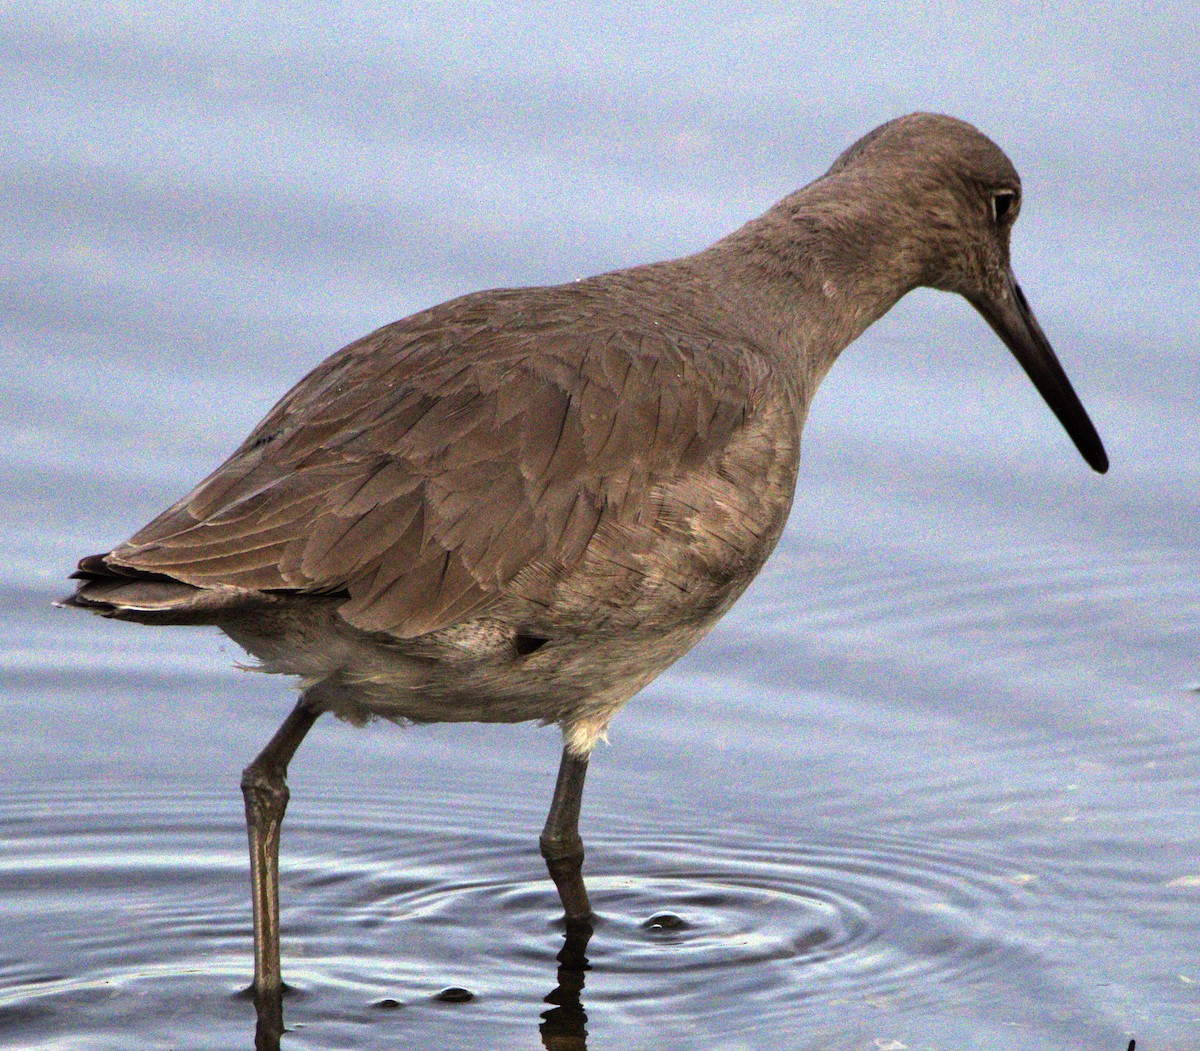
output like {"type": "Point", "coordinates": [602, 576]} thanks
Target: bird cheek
{"type": "Point", "coordinates": [996, 280]}
{"type": "Point", "coordinates": [983, 272]}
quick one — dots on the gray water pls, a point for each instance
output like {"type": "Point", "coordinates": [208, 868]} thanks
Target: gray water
{"type": "Point", "coordinates": [931, 785]}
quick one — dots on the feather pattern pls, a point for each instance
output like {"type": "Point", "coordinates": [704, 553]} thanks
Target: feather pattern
{"type": "Point", "coordinates": [422, 470]}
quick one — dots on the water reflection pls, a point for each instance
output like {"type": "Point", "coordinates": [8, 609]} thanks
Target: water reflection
{"type": "Point", "coordinates": [564, 1026]}
{"type": "Point", "coordinates": [687, 921]}
{"type": "Point", "coordinates": [269, 1028]}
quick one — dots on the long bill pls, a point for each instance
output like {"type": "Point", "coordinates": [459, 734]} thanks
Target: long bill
{"type": "Point", "coordinates": [1014, 323]}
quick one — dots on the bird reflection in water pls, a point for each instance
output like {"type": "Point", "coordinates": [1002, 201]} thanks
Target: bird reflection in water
{"type": "Point", "coordinates": [563, 1027]}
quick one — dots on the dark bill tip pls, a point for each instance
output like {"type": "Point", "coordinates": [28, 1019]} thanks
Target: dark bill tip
{"type": "Point", "coordinates": [1014, 322]}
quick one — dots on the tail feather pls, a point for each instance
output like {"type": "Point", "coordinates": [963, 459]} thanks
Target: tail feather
{"type": "Point", "coordinates": [126, 593]}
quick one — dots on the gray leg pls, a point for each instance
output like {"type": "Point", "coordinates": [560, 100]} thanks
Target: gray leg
{"type": "Point", "coordinates": [561, 845]}
{"type": "Point", "coordinates": [264, 786]}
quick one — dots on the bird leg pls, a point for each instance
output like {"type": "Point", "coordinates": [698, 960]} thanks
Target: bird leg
{"type": "Point", "coordinates": [264, 787]}
{"type": "Point", "coordinates": [561, 844]}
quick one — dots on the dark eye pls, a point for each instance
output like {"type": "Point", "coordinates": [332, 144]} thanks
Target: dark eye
{"type": "Point", "coordinates": [1002, 204]}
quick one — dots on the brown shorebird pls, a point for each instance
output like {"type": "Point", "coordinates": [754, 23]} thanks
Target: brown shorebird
{"type": "Point", "coordinates": [526, 503]}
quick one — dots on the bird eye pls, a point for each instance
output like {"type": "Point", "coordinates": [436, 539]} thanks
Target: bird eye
{"type": "Point", "coordinates": [1002, 204]}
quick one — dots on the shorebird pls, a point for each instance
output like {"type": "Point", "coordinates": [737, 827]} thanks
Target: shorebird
{"type": "Point", "coordinates": [527, 503]}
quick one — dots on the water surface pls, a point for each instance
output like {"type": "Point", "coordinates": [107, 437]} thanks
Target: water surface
{"type": "Point", "coordinates": [931, 785]}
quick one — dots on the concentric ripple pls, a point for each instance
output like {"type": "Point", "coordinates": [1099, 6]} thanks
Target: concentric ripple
{"type": "Point", "coordinates": [123, 907]}
{"type": "Point", "coordinates": [851, 918]}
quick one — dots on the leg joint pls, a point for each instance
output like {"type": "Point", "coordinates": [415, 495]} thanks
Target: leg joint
{"type": "Point", "coordinates": [258, 777]}
{"type": "Point", "coordinates": [562, 847]}
{"type": "Point", "coordinates": [266, 796]}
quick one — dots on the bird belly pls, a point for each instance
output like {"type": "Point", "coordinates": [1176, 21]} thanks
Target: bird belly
{"type": "Point", "coordinates": [471, 672]}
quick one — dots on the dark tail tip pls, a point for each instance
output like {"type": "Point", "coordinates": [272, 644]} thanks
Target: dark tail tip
{"type": "Point", "coordinates": [91, 567]}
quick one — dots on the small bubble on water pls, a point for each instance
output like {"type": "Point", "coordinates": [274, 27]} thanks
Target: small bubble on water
{"type": "Point", "coordinates": [388, 1004]}
{"type": "Point", "coordinates": [665, 921]}
{"type": "Point", "coordinates": [455, 994]}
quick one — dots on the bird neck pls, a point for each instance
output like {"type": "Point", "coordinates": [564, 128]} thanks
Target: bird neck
{"type": "Point", "coordinates": [812, 273]}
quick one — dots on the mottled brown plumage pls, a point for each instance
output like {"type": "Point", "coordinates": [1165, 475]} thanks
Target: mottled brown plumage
{"type": "Point", "coordinates": [525, 504]}
{"type": "Point", "coordinates": [548, 408]}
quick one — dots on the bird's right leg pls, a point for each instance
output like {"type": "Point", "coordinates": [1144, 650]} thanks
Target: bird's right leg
{"type": "Point", "coordinates": [561, 844]}
{"type": "Point", "coordinates": [264, 787]}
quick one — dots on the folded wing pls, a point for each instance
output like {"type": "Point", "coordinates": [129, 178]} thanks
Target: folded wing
{"type": "Point", "coordinates": [420, 470]}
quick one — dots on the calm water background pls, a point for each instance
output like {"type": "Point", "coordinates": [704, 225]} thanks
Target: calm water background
{"type": "Point", "coordinates": [932, 785]}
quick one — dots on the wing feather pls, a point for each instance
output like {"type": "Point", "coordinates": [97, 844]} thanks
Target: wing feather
{"type": "Point", "coordinates": [424, 468]}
